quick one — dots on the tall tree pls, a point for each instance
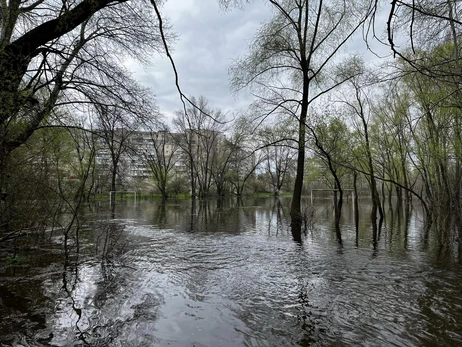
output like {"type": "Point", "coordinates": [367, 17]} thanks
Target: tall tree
{"type": "Point", "coordinates": [392, 134]}
{"type": "Point", "coordinates": [330, 142]}
{"type": "Point", "coordinates": [360, 105]}
{"type": "Point", "coordinates": [244, 156]}
{"type": "Point", "coordinates": [244, 163]}
{"type": "Point", "coordinates": [425, 24]}
{"type": "Point", "coordinates": [287, 64]}
{"type": "Point", "coordinates": [222, 163]}
{"type": "Point", "coordinates": [436, 134]}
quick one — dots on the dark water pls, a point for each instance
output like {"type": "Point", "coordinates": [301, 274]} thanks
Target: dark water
{"type": "Point", "coordinates": [230, 274]}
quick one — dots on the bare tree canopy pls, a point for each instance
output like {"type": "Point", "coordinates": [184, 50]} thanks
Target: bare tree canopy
{"type": "Point", "coordinates": [56, 54]}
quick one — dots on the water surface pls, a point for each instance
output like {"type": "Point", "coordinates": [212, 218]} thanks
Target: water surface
{"type": "Point", "coordinates": [230, 274]}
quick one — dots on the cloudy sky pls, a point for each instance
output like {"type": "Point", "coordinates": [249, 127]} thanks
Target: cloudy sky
{"type": "Point", "coordinates": [210, 39]}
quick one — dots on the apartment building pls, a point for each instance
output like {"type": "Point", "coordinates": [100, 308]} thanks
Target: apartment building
{"type": "Point", "coordinates": [137, 148]}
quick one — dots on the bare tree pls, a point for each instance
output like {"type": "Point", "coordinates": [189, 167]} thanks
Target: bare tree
{"type": "Point", "coordinates": [221, 163]}
{"type": "Point", "coordinates": [423, 25]}
{"type": "Point", "coordinates": [244, 163]}
{"type": "Point", "coordinates": [114, 130]}
{"type": "Point", "coordinates": [202, 134]}
{"type": "Point", "coordinates": [66, 51]}
{"type": "Point", "coordinates": [161, 161]}
{"type": "Point", "coordinates": [279, 147]}
{"type": "Point", "coordinates": [245, 156]}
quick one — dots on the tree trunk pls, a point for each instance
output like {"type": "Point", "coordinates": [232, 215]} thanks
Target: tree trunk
{"type": "Point", "coordinates": [376, 205]}
{"type": "Point", "coordinates": [355, 206]}
{"type": "Point", "coordinates": [193, 181]}
{"type": "Point", "coordinates": [113, 185]}
{"type": "Point", "coordinates": [338, 201]}
{"type": "Point", "coordinates": [296, 208]}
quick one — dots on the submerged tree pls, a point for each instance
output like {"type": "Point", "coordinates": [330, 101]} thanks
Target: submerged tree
{"type": "Point", "coordinates": [330, 142]}
{"type": "Point", "coordinates": [114, 130]}
{"type": "Point", "coordinates": [287, 64]}
{"type": "Point", "coordinates": [161, 161]}
{"type": "Point", "coordinates": [391, 133]}
{"type": "Point", "coordinates": [360, 107]}
{"type": "Point", "coordinates": [51, 176]}
{"type": "Point", "coordinates": [244, 156]}
{"type": "Point", "coordinates": [201, 129]}
{"type": "Point", "coordinates": [436, 129]}
{"type": "Point", "coordinates": [278, 144]}
{"type": "Point", "coordinates": [228, 149]}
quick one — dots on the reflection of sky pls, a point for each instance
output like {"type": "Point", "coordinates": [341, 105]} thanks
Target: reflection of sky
{"type": "Point", "coordinates": [116, 309]}
{"type": "Point", "coordinates": [65, 318]}
{"type": "Point", "coordinates": [258, 287]}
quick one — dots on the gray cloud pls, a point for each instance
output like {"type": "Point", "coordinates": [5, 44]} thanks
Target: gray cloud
{"type": "Point", "coordinates": [210, 39]}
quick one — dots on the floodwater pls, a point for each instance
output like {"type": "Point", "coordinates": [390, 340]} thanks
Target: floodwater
{"type": "Point", "coordinates": [230, 274]}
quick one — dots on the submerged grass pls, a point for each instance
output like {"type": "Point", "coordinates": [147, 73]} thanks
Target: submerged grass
{"type": "Point", "coordinates": [15, 260]}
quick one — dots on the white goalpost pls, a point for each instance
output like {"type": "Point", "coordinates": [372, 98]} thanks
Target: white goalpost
{"type": "Point", "coordinates": [330, 190]}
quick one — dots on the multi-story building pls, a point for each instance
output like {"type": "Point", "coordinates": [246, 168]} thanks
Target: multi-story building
{"type": "Point", "coordinates": [141, 148]}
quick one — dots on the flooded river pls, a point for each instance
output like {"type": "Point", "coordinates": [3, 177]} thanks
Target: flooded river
{"type": "Point", "coordinates": [230, 274]}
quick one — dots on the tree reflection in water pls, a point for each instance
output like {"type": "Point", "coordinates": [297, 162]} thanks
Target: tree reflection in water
{"type": "Point", "coordinates": [91, 286]}
{"type": "Point", "coordinates": [229, 272]}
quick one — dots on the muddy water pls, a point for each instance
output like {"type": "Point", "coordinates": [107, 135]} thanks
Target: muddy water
{"type": "Point", "coordinates": [230, 274]}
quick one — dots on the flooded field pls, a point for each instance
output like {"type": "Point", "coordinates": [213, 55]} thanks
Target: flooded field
{"type": "Point", "coordinates": [229, 273]}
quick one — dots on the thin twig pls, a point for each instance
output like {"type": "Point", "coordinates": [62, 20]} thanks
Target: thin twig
{"type": "Point", "coordinates": [183, 97]}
